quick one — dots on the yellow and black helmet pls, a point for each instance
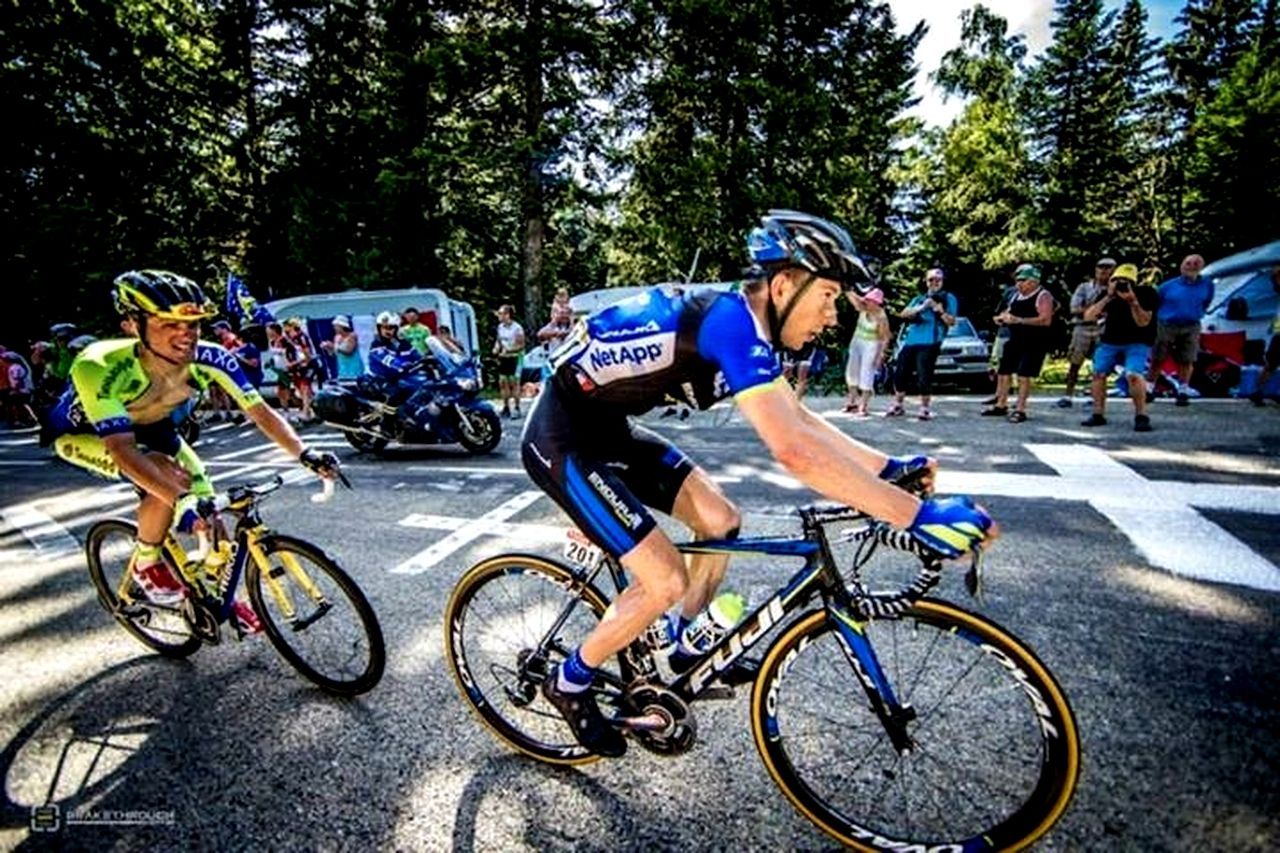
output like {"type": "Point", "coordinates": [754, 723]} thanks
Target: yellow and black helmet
{"type": "Point", "coordinates": [156, 293]}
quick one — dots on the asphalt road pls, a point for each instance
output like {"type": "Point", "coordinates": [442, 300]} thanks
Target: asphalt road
{"type": "Point", "coordinates": [1142, 569]}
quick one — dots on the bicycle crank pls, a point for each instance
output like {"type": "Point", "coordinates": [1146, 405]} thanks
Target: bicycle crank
{"type": "Point", "coordinates": [661, 723]}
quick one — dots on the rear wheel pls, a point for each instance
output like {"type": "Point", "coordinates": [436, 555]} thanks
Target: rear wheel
{"type": "Point", "coordinates": [994, 753]}
{"type": "Point", "coordinates": [510, 621]}
{"type": "Point", "coordinates": [109, 549]}
{"type": "Point", "coordinates": [316, 617]}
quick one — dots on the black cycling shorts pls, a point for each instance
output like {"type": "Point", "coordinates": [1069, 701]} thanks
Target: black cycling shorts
{"type": "Point", "coordinates": [604, 471]}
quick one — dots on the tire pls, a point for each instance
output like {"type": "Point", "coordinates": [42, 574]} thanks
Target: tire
{"type": "Point", "coordinates": [487, 427]}
{"type": "Point", "coordinates": [342, 651]}
{"type": "Point", "coordinates": [498, 614]}
{"type": "Point", "coordinates": [996, 753]}
{"type": "Point", "coordinates": [364, 442]}
{"type": "Point", "coordinates": [108, 548]}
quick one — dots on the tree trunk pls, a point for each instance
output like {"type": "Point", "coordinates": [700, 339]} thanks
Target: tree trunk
{"type": "Point", "coordinates": [532, 197]}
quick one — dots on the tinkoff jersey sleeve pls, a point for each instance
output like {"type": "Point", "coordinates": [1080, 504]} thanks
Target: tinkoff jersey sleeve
{"type": "Point", "coordinates": [215, 364]}
{"type": "Point", "coordinates": [106, 375]}
{"type": "Point", "coordinates": [730, 338]}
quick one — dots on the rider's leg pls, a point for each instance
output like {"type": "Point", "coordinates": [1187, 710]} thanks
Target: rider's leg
{"type": "Point", "coordinates": [701, 504]}
{"type": "Point", "coordinates": [660, 581]}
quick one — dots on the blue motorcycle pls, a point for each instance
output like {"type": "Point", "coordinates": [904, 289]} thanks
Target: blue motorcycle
{"type": "Point", "coordinates": [438, 402]}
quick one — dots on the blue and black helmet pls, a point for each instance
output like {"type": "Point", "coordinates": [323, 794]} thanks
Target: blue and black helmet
{"type": "Point", "coordinates": [794, 239]}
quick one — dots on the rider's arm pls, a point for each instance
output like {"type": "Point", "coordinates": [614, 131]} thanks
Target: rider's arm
{"type": "Point", "coordinates": [822, 458]}
{"type": "Point", "coordinates": [275, 428]}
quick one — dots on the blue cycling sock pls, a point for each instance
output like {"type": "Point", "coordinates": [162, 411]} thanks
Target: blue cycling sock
{"type": "Point", "coordinates": [575, 676]}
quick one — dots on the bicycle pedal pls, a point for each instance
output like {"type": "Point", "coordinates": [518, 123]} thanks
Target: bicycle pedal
{"type": "Point", "coordinates": [717, 693]}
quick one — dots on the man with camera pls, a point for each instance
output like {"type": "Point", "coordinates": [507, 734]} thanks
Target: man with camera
{"type": "Point", "coordinates": [1128, 332]}
{"type": "Point", "coordinates": [928, 316]}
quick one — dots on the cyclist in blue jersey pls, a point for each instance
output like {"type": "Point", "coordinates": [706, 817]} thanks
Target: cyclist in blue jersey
{"type": "Point", "coordinates": [697, 348]}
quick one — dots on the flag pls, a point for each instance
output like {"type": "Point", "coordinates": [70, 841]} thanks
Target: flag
{"type": "Point", "coordinates": [242, 307]}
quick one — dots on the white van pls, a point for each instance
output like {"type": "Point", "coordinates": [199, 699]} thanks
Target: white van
{"type": "Point", "coordinates": [362, 306]}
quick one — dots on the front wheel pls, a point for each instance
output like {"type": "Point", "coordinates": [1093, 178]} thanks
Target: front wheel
{"type": "Point", "coordinates": [510, 621]}
{"type": "Point", "coordinates": [480, 430]}
{"type": "Point", "coordinates": [316, 617]}
{"type": "Point", "coordinates": [994, 752]}
{"type": "Point", "coordinates": [109, 551]}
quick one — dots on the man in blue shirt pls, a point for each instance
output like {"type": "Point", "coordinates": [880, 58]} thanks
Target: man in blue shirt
{"type": "Point", "coordinates": [928, 316]}
{"type": "Point", "coordinates": [1183, 302]}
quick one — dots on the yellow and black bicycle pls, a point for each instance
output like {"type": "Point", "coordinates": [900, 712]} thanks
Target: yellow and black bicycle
{"type": "Point", "coordinates": [311, 610]}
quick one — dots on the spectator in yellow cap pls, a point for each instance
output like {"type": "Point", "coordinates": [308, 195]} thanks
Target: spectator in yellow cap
{"type": "Point", "coordinates": [1127, 313]}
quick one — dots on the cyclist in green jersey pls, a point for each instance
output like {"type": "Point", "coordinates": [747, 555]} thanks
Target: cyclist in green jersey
{"type": "Point", "coordinates": [118, 416]}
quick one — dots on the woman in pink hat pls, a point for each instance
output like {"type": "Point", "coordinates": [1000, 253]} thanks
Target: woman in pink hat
{"type": "Point", "coordinates": [866, 350]}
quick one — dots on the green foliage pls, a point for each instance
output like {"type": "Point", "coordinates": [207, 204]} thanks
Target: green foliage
{"type": "Point", "coordinates": [503, 148]}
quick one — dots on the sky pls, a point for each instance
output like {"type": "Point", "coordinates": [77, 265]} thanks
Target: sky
{"type": "Point", "coordinates": [1027, 17]}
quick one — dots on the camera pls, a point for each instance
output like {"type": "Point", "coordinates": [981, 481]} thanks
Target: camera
{"type": "Point", "coordinates": [1122, 286]}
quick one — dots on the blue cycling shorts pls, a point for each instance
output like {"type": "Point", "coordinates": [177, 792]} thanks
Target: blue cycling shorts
{"type": "Point", "coordinates": [604, 471]}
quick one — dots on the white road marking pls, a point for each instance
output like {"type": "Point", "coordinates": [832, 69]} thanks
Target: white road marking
{"type": "Point", "coordinates": [21, 463]}
{"type": "Point", "coordinates": [49, 538]}
{"type": "Point", "coordinates": [465, 534]}
{"type": "Point", "coordinates": [1158, 516]}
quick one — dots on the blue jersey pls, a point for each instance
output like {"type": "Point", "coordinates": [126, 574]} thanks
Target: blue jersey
{"type": "Point", "coordinates": [664, 346]}
{"type": "Point", "coordinates": [391, 359]}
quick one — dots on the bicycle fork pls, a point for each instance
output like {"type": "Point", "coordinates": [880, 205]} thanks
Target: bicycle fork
{"type": "Point", "coordinates": [894, 715]}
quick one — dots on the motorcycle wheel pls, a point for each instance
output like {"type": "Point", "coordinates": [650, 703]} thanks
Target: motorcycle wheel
{"type": "Point", "coordinates": [364, 442]}
{"type": "Point", "coordinates": [485, 429]}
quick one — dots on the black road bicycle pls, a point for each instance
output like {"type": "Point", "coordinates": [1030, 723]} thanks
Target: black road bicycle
{"type": "Point", "coordinates": [887, 718]}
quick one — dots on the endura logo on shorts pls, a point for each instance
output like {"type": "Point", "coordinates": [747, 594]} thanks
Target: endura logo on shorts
{"type": "Point", "coordinates": [620, 509]}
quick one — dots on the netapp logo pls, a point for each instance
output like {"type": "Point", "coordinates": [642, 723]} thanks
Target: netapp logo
{"type": "Point", "coordinates": [617, 356]}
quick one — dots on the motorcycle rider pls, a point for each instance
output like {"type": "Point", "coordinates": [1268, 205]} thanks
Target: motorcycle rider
{"type": "Point", "coordinates": [395, 361]}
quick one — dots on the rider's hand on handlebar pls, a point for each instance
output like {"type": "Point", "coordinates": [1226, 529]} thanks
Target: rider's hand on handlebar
{"type": "Point", "coordinates": [913, 473]}
{"type": "Point", "coordinates": [323, 464]}
{"type": "Point", "coordinates": [953, 527]}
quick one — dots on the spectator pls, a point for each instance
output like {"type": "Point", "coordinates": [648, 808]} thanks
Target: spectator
{"type": "Point", "coordinates": [247, 356]}
{"type": "Point", "coordinates": [561, 324]}
{"type": "Point", "coordinates": [866, 350]}
{"type": "Point", "coordinates": [797, 365]}
{"type": "Point", "coordinates": [1028, 315]}
{"type": "Point", "coordinates": [1271, 363]}
{"type": "Point", "coordinates": [1084, 335]}
{"type": "Point", "coordinates": [1183, 302]}
{"type": "Point", "coordinates": [508, 347]}
{"type": "Point", "coordinates": [445, 335]}
{"type": "Point", "coordinates": [345, 348]}
{"type": "Point", "coordinates": [1127, 313]}
{"type": "Point", "coordinates": [280, 352]}
{"type": "Point", "coordinates": [59, 363]}
{"type": "Point", "coordinates": [16, 386]}
{"type": "Point", "coordinates": [561, 300]}
{"type": "Point", "coordinates": [304, 367]}
{"type": "Point", "coordinates": [928, 317]}
{"type": "Point", "coordinates": [413, 331]}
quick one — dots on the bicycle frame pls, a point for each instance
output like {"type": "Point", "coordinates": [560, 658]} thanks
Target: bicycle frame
{"type": "Point", "coordinates": [818, 576]}
{"type": "Point", "coordinates": [250, 534]}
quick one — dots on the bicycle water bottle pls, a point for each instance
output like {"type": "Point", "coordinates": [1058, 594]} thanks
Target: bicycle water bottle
{"type": "Point", "coordinates": [707, 629]}
{"type": "Point", "coordinates": [216, 563]}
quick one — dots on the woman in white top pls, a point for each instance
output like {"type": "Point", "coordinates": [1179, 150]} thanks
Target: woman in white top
{"type": "Point", "coordinates": [866, 350]}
